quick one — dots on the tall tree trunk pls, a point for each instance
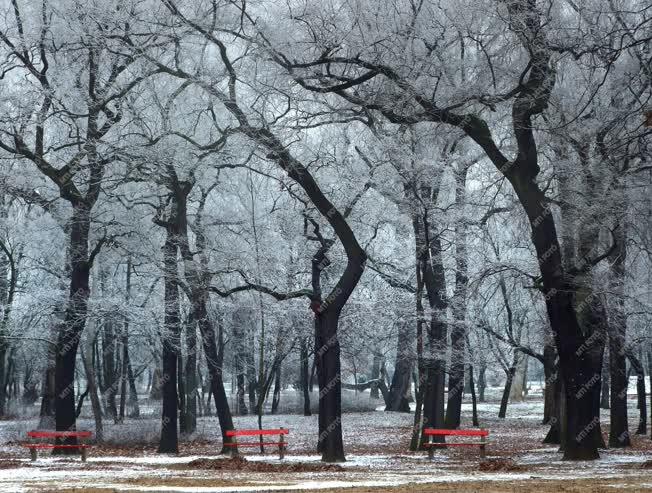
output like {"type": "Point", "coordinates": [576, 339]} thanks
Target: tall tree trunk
{"type": "Point", "coordinates": [169, 442]}
{"type": "Point", "coordinates": [619, 430]}
{"type": "Point", "coordinates": [305, 377]}
{"type": "Point", "coordinates": [435, 284]}
{"type": "Point", "coordinates": [241, 326]}
{"type": "Point", "coordinates": [8, 282]}
{"type": "Point", "coordinates": [110, 379]}
{"type": "Point", "coordinates": [605, 399]}
{"type": "Point", "coordinates": [474, 401]}
{"type": "Point", "coordinates": [92, 389]}
{"type": "Point", "coordinates": [327, 354]}
{"type": "Point", "coordinates": [375, 374]}
{"type": "Point", "coordinates": [191, 379]}
{"type": "Point", "coordinates": [420, 381]}
{"type": "Point", "coordinates": [458, 332]}
{"type": "Point", "coordinates": [70, 330]}
{"type": "Point", "coordinates": [482, 382]}
{"type": "Point", "coordinates": [133, 391]}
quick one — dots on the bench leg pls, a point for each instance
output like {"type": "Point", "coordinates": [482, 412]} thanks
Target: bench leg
{"type": "Point", "coordinates": [281, 448]}
{"type": "Point", "coordinates": [83, 454]}
{"type": "Point", "coordinates": [431, 449]}
{"type": "Point", "coordinates": [33, 453]}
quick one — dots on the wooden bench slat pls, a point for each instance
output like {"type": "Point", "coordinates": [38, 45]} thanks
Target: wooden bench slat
{"type": "Point", "coordinates": [58, 434]}
{"type": "Point", "coordinates": [253, 444]}
{"type": "Point", "coordinates": [470, 433]}
{"type": "Point", "coordinates": [236, 433]}
{"type": "Point", "coordinates": [458, 444]}
{"type": "Point", "coordinates": [51, 445]}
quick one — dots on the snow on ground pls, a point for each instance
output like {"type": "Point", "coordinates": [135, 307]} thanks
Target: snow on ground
{"type": "Point", "coordinates": [377, 456]}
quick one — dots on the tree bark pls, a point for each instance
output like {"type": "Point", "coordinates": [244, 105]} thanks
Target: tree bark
{"type": "Point", "coordinates": [169, 441]}
{"type": "Point", "coordinates": [71, 328]}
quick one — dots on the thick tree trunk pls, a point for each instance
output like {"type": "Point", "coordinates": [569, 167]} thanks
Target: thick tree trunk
{"type": "Point", "coordinates": [619, 429]}
{"type": "Point", "coordinates": [169, 442]}
{"type": "Point", "coordinates": [70, 330]}
{"type": "Point", "coordinates": [551, 376]}
{"type": "Point", "coordinates": [554, 433]}
{"type": "Point", "coordinates": [649, 374]}
{"type": "Point", "coordinates": [327, 355]}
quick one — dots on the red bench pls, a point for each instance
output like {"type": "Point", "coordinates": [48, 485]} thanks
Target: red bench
{"type": "Point", "coordinates": [36, 434]}
{"type": "Point", "coordinates": [433, 432]}
{"type": "Point", "coordinates": [282, 444]}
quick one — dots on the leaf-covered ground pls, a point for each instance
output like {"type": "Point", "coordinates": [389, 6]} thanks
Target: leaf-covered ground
{"type": "Point", "coordinates": [377, 457]}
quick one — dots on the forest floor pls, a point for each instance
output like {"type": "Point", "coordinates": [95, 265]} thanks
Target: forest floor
{"type": "Point", "coordinates": [376, 444]}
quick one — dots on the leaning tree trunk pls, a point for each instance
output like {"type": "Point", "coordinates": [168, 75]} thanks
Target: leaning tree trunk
{"type": "Point", "coordinates": [92, 389]}
{"type": "Point", "coordinates": [215, 361]}
{"type": "Point", "coordinates": [509, 378]}
{"type": "Point", "coordinates": [276, 396]}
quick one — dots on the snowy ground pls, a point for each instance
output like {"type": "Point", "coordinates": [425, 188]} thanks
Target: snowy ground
{"type": "Point", "coordinates": [376, 444]}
